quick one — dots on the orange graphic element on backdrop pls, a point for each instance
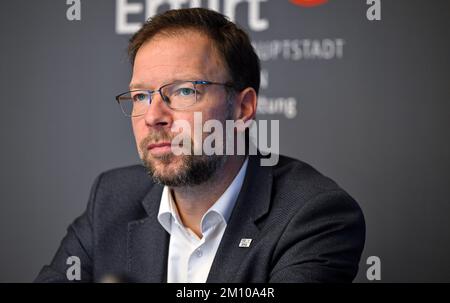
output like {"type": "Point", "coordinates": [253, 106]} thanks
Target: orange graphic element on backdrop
{"type": "Point", "coordinates": [308, 3]}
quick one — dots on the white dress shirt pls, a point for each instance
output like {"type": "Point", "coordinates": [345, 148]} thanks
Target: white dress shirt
{"type": "Point", "coordinates": [190, 257]}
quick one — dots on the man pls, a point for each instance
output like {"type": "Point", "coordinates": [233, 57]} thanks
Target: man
{"type": "Point", "coordinates": [206, 218]}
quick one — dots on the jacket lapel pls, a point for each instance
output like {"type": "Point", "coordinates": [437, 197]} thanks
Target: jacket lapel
{"type": "Point", "coordinates": [252, 204]}
{"type": "Point", "coordinates": [148, 243]}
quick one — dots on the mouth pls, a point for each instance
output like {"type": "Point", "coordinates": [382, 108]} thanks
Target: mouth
{"type": "Point", "coordinates": [159, 148]}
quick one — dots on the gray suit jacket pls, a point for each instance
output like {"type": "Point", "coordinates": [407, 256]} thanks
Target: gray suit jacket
{"type": "Point", "coordinates": [303, 226]}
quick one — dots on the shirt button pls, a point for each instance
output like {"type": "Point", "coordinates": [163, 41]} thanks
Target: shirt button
{"type": "Point", "coordinates": [198, 253]}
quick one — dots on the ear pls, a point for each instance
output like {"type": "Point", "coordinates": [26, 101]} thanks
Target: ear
{"type": "Point", "coordinates": [246, 102]}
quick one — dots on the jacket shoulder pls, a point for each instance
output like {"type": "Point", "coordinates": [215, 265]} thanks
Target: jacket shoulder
{"type": "Point", "coordinates": [297, 184]}
{"type": "Point", "coordinates": [125, 180]}
{"type": "Point", "coordinates": [301, 177]}
{"type": "Point", "coordinates": [120, 191]}
{"type": "Point", "coordinates": [120, 174]}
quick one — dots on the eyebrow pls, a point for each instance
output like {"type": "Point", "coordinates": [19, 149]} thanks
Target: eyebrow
{"type": "Point", "coordinates": [136, 86]}
{"type": "Point", "coordinates": [141, 85]}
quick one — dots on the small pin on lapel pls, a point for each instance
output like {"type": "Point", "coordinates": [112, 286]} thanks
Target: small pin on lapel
{"type": "Point", "coordinates": [245, 242]}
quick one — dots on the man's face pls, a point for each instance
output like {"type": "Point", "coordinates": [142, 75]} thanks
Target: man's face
{"type": "Point", "coordinates": [164, 59]}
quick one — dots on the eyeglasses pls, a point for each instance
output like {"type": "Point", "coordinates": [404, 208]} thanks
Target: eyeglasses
{"type": "Point", "coordinates": [177, 95]}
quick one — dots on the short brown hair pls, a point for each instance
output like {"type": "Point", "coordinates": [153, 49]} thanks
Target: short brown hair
{"type": "Point", "coordinates": [232, 43]}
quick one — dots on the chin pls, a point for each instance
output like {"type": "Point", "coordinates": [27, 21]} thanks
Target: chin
{"type": "Point", "coordinates": [164, 165]}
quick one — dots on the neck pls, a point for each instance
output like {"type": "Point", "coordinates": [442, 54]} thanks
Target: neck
{"type": "Point", "coordinates": [194, 201]}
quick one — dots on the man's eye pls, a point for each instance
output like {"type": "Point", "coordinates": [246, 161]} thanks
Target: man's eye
{"type": "Point", "coordinates": [140, 97]}
{"type": "Point", "coordinates": [186, 91]}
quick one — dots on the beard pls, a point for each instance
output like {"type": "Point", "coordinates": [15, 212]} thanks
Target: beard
{"type": "Point", "coordinates": [186, 170]}
{"type": "Point", "coordinates": [192, 169]}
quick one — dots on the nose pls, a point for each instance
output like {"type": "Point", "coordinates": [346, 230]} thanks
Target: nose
{"type": "Point", "coordinates": [158, 114]}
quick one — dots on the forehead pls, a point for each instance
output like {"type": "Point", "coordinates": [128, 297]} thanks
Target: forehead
{"type": "Point", "coordinates": [185, 55]}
